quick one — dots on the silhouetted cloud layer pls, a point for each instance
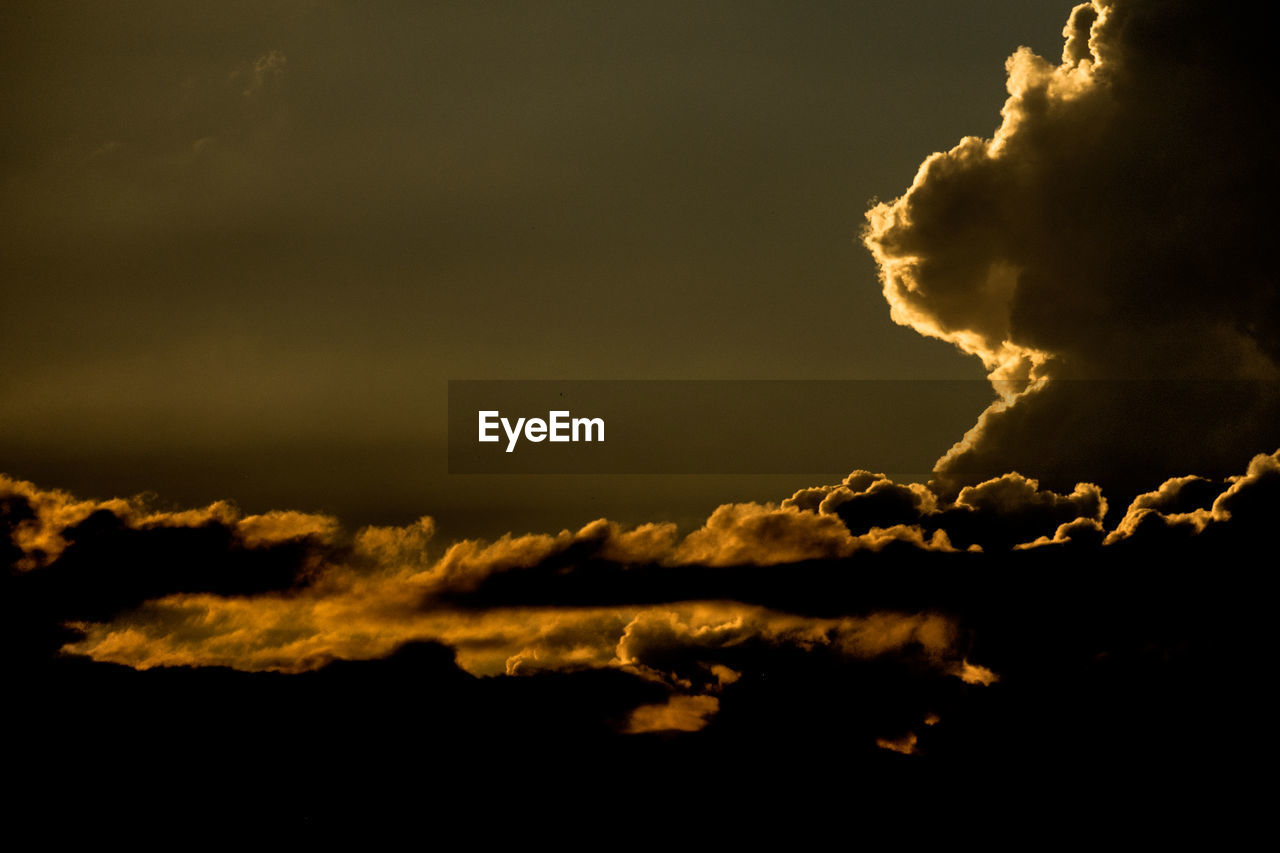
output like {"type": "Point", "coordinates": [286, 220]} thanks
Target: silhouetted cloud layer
{"type": "Point", "coordinates": [865, 570]}
{"type": "Point", "coordinates": [1051, 632]}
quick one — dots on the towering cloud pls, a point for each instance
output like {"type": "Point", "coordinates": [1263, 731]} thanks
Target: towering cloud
{"type": "Point", "coordinates": [1105, 252]}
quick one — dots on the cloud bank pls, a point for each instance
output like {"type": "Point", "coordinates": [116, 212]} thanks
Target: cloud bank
{"type": "Point", "coordinates": [867, 570]}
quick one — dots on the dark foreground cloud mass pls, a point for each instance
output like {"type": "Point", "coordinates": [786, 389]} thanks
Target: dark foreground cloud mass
{"type": "Point", "coordinates": [1006, 631]}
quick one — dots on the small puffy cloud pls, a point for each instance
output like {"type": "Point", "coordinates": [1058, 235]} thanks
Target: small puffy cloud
{"type": "Point", "coordinates": [882, 503]}
{"type": "Point", "coordinates": [760, 534]}
{"type": "Point", "coordinates": [973, 674]}
{"type": "Point", "coordinates": [1178, 507]}
{"type": "Point", "coordinates": [396, 546]}
{"type": "Point", "coordinates": [1012, 509]}
{"type": "Point", "coordinates": [1081, 532]}
{"type": "Point", "coordinates": [1178, 502]}
{"type": "Point", "coordinates": [906, 744]}
{"type": "Point", "coordinates": [811, 498]}
{"type": "Point", "coordinates": [678, 714]}
{"type": "Point", "coordinates": [647, 543]}
{"type": "Point", "coordinates": [1177, 495]}
{"type": "Point", "coordinates": [282, 526]}
{"type": "Point", "coordinates": [1014, 495]}
{"type": "Point", "coordinates": [1252, 497]}
{"type": "Point", "coordinates": [724, 675]}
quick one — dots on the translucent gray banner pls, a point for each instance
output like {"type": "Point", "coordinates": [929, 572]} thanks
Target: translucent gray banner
{"type": "Point", "coordinates": [705, 426]}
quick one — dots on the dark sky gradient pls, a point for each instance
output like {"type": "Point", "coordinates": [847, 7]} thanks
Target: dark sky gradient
{"type": "Point", "coordinates": [245, 245]}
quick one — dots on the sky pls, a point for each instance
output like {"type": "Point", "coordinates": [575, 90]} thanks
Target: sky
{"type": "Point", "coordinates": [247, 247]}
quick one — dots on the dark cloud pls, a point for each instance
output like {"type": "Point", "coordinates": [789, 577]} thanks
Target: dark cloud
{"type": "Point", "coordinates": [573, 653]}
{"type": "Point", "coordinates": [998, 513]}
{"type": "Point", "coordinates": [71, 560]}
{"type": "Point", "coordinates": [865, 500]}
{"type": "Point", "coordinates": [1108, 239]}
{"type": "Point", "coordinates": [291, 591]}
{"type": "Point", "coordinates": [1012, 509]}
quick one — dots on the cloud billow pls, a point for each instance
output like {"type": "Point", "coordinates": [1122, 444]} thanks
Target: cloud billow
{"type": "Point", "coordinates": [1105, 251]}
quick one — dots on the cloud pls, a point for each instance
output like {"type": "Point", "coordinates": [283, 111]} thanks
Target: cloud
{"type": "Point", "coordinates": [865, 500]}
{"type": "Point", "coordinates": [609, 632]}
{"type": "Point", "coordinates": [1252, 497]}
{"type": "Point", "coordinates": [679, 713]}
{"type": "Point", "coordinates": [292, 591]}
{"type": "Point", "coordinates": [262, 73]}
{"type": "Point", "coordinates": [120, 582]}
{"type": "Point", "coordinates": [765, 534]}
{"type": "Point", "coordinates": [1082, 531]}
{"type": "Point", "coordinates": [41, 521]}
{"type": "Point", "coordinates": [905, 744]}
{"type": "Point", "coordinates": [1011, 509]}
{"type": "Point", "coordinates": [1106, 246]}
{"type": "Point", "coordinates": [71, 559]}
{"type": "Point", "coordinates": [997, 513]}
{"type": "Point", "coordinates": [679, 643]}
{"type": "Point", "coordinates": [972, 674]}
{"type": "Point", "coordinates": [1186, 506]}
